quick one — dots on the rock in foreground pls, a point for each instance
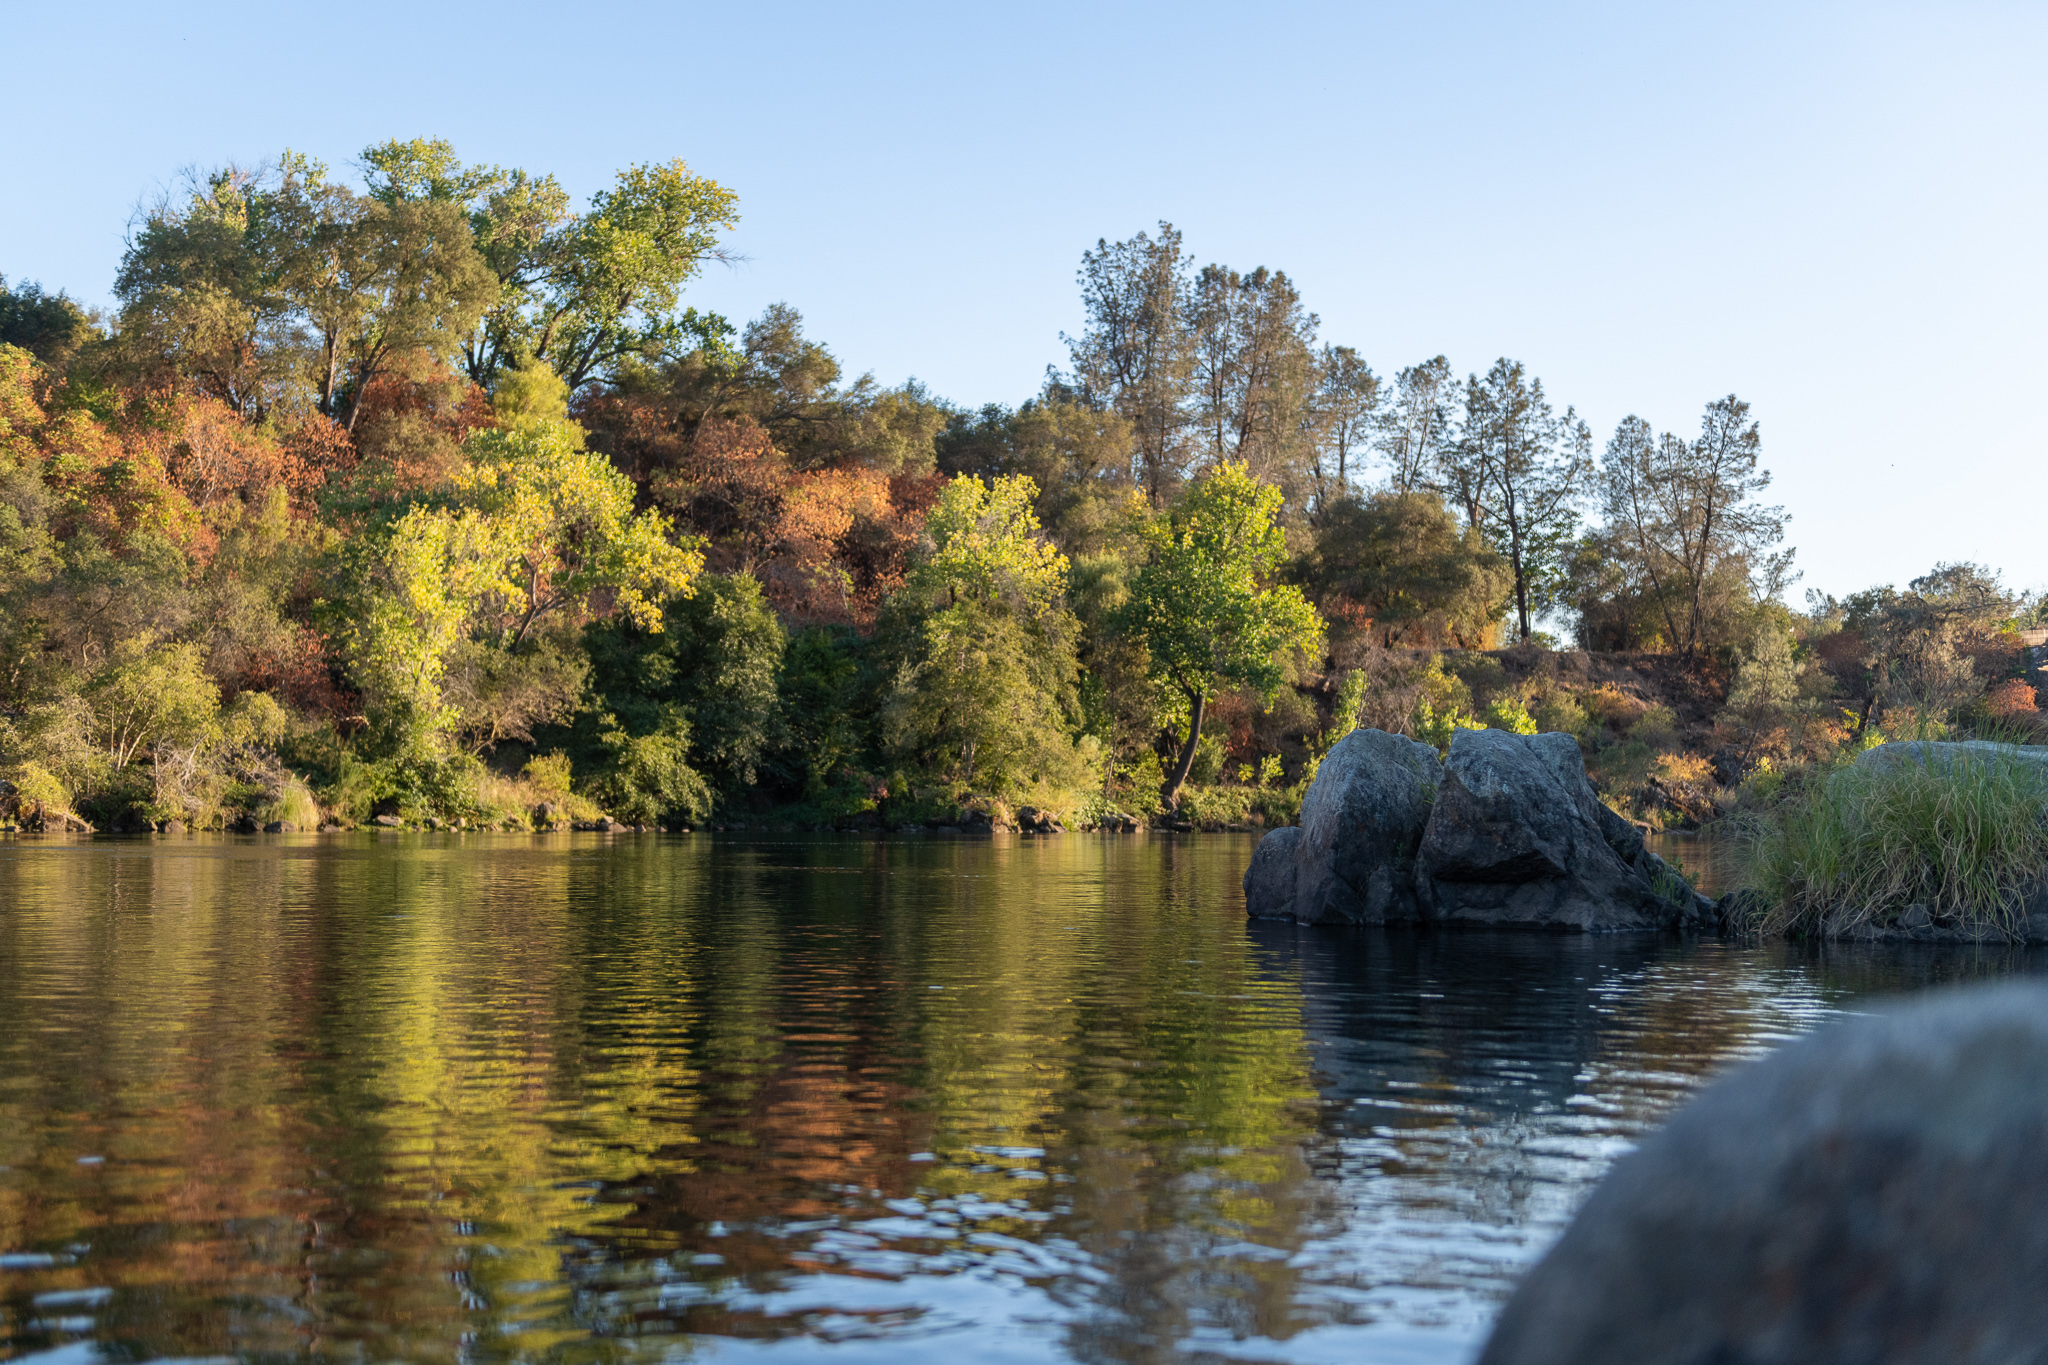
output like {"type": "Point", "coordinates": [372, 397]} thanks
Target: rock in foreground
{"type": "Point", "coordinates": [1506, 832]}
{"type": "Point", "coordinates": [1873, 1194]}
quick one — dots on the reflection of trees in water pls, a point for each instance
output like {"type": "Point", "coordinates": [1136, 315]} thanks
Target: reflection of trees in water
{"type": "Point", "coordinates": [1186, 1123]}
{"type": "Point", "coordinates": [429, 1092]}
{"type": "Point", "coordinates": [1108, 1034]}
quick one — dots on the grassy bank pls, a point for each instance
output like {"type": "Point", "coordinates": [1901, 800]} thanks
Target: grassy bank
{"type": "Point", "coordinates": [1960, 834]}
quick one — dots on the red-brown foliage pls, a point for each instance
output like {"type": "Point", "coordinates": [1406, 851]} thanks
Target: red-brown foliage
{"type": "Point", "coordinates": [2011, 700]}
{"type": "Point", "coordinates": [299, 675]}
{"type": "Point", "coordinates": [410, 424]}
{"type": "Point", "coordinates": [212, 454]}
{"type": "Point", "coordinates": [826, 544]}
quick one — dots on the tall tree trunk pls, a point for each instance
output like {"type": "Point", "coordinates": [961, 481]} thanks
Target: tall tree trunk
{"type": "Point", "coordinates": [1170, 791]}
{"type": "Point", "coordinates": [1521, 586]}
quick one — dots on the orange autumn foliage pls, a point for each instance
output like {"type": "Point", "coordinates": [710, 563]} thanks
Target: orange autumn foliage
{"type": "Point", "coordinates": [826, 544]}
{"type": "Point", "coordinates": [105, 485]}
{"type": "Point", "coordinates": [212, 454]}
{"type": "Point", "coordinates": [2011, 700]}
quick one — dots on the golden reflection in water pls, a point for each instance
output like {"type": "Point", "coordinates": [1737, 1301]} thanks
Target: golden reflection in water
{"type": "Point", "coordinates": [438, 1098]}
{"type": "Point", "coordinates": [572, 1098]}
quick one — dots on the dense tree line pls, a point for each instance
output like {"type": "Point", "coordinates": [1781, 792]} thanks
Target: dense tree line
{"type": "Point", "coordinates": [431, 496]}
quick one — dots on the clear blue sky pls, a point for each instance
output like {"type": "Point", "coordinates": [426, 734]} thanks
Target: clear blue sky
{"type": "Point", "coordinates": [1835, 211]}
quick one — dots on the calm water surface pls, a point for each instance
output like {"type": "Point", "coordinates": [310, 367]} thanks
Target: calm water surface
{"type": "Point", "coordinates": [570, 1099]}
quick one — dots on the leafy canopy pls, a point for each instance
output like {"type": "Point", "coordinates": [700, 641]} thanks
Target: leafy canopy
{"type": "Point", "coordinates": [1198, 601]}
{"type": "Point", "coordinates": [565, 528]}
{"type": "Point", "coordinates": [987, 547]}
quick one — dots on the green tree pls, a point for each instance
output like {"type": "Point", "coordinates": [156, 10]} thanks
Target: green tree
{"type": "Point", "coordinates": [1765, 689]}
{"type": "Point", "coordinates": [1135, 356]}
{"type": "Point", "coordinates": [51, 327]}
{"type": "Point", "coordinates": [983, 692]}
{"type": "Point", "coordinates": [1517, 470]}
{"type": "Point", "coordinates": [1079, 457]}
{"type": "Point", "coordinates": [535, 528]}
{"type": "Point", "coordinates": [986, 547]}
{"type": "Point", "coordinates": [714, 665]}
{"type": "Point", "coordinates": [1201, 601]}
{"type": "Point", "coordinates": [197, 307]}
{"type": "Point", "coordinates": [1404, 558]}
{"type": "Point", "coordinates": [1344, 416]}
{"type": "Point", "coordinates": [1255, 376]}
{"type": "Point", "coordinates": [564, 521]}
{"type": "Point", "coordinates": [1683, 516]}
{"type": "Point", "coordinates": [582, 292]}
{"type": "Point", "coordinates": [408, 594]}
{"type": "Point", "coordinates": [1417, 424]}
{"type": "Point", "coordinates": [372, 280]}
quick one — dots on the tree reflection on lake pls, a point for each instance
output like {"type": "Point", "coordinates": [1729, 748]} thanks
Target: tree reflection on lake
{"type": "Point", "coordinates": [573, 1099]}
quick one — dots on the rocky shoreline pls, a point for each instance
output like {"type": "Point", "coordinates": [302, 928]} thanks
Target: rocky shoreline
{"type": "Point", "coordinates": [1506, 831]}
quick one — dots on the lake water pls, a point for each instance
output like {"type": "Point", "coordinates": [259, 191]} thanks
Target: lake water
{"type": "Point", "coordinates": [443, 1098]}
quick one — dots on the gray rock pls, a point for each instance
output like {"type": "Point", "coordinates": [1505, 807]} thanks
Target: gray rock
{"type": "Point", "coordinates": [280, 827]}
{"type": "Point", "coordinates": [1874, 1193]}
{"type": "Point", "coordinates": [1942, 753]}
{"type": "Point", "coordinates": [1509, 832]}
{"type": "Point", "coordinates": [1269, 881]}
{"type": "Point", "coordinates": [389, 822]}
{"type": "Point", "coordinates": [1361, 822]}
{"type": "Point", "coordinates": [1517, 837]}
{"type": "Point", "coordinates": [174, 827]}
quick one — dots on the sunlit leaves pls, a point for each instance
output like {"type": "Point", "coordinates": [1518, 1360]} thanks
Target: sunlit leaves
{"type": "Point", "coordinates": [986, 546]}
{"type": "Point", "coordinates": [1200, 602]}
{"type": "Point", "coordinates": [568, 529]}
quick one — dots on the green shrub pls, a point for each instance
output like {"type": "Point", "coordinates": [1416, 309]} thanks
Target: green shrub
{"type": "Point", "coordinates": [1656, 727]}
{"type": "Point", "coordinates": [1208, 762]}
{"type": "Point", "coordinates": [1216, 805]}
{"type": "Point", "coordinates": [649, 777]}
{"type": "Point", "coordinates": [36, 789]}
{"type": "Point", "coordinates": [1508, 713]}
{"type": "Point", "coordinates": [296, 804]}
{"type": "Point", "coordinates": [1557, 712]}
{"type": "Point", "coordinates": [1962, 836]}
{"type": "Point", "coordinates": [1134, 786]}
{"type": "Point", "coordinates": [1437, 727]}
{"type": "Point", "coordinates": [412, 785]}
{"type": "Point", "coordinates": [549, 772]}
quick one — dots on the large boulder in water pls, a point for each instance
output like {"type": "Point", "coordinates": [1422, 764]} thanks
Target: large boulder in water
{"type": "Point", "coordinates": [1352, 860]}
{"type": "Point", "coordinates": [1875, 1193]}
{"type": "Point", "coordinates": [1269, 882]}
{"type": "Point", "coordinates": [1517, 837]}
{"type": "Point", "coordinates": [1508, 832]}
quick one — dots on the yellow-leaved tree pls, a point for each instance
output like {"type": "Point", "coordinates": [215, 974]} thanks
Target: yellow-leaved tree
{"type": "Point", "coordinates": [984, 693]}
{"type": "Point", "coordinates": [534, 528]}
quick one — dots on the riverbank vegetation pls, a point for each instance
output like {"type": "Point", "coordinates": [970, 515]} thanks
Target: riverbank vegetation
{"type": "Point", "coordinates": [426, 496]}
{"type": "Point", "coordinates": [1948, 836]}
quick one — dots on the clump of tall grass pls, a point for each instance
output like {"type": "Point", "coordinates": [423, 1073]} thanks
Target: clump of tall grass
{"type": "Point", "coordinates": [1957, 830]}
{"type": "Point", "coordinates": [297, 804]}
